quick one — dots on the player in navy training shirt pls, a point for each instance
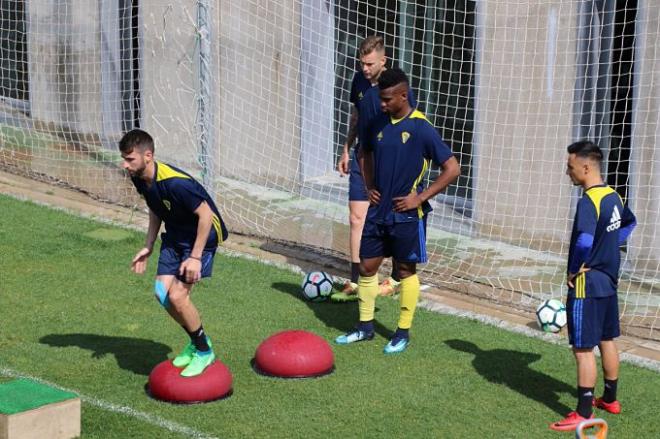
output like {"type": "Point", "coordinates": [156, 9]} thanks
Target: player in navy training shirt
{"type": "Point", "coordinates": [396, 160]}
{"type": "Point", "coordinates": [365, 112]}
{"type": "Point", "coordinates": [193, 230]}
{"type": "Point", "coordinates": [372, 61]}
{"type": "Point", "coordinates": [602, 223]}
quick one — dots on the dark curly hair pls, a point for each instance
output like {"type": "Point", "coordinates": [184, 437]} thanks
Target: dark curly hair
{"type": "Point", "coordinates": [391, 77]}
{"type": "Point", "coordinates": [136, 139]}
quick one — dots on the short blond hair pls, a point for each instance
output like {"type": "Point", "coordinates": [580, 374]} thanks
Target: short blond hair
{"type": "Point", "coordinates": [370, 44]}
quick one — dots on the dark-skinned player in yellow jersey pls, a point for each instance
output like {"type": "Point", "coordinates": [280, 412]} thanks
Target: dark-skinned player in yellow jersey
{"type": "Point", "coordinates": [396, 160]}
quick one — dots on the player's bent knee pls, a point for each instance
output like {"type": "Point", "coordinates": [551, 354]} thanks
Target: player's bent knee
{"type": "Point", "coordinates": [161, 294]}
{"type": "Point", "coordinates": [178, 299]}
{"type": "Point", "coordinates": [176, 302]}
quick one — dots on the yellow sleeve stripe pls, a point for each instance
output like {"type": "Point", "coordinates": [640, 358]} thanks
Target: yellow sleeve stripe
{"type": "Point", "coordinates": [596, 195]}
{"type": "Point", "coordinates": [580, 284]}
{"type": "Point", "coordinates": [165, 172]}
{"type": "Point", "coordinates": [425, 167]}
{"type": "Point", "coordinates": [217, 227]}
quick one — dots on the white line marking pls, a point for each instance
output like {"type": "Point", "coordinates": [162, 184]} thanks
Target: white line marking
{"type": "Point", "coordinates": [124, 410]}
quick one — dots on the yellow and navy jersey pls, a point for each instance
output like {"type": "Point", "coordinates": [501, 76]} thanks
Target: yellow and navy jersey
{"type": "Point", "coordinates": [174, 196]}
{"type": "Point", "coordinates": [371, 117]}
{"type": "Point", "coordinates": [359, 86]}
{"type": "Point", "coordinates": [403, 151]}
{"type": "Point", "coordinates": [600, 214]}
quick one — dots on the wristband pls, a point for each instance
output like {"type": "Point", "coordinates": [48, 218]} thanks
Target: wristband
{"type": "Point", "coordinates": [194, 257]}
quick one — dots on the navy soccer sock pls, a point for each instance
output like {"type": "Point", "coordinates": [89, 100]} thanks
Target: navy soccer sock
{"type": "Point", "coordinates": [367, 327]}
{"type": "Point", "coordinates": [585, 401]}
{"type": "Point", "coordinates": [609, 395]}
{"type": "Point", "coordinates": [400, 334]}
{"type": "Point", "coordinates": [355, 272]}
{"type": "Point", "coordinates": [198, 338]}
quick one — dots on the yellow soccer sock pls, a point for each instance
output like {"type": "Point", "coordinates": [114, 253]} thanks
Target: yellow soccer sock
{"type": "Point", "coordinates": [408, 300]}
{"type": "Point", "coordinates": [367, 292]}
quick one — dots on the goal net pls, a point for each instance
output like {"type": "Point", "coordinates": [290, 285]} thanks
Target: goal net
{"type": "Point", "coordinates": [252, 97]}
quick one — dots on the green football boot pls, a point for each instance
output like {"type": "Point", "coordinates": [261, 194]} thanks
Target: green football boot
{"type": "Point", "coordinates": [200, 361]}
{"type": "Point", "coordinates": [186, 356]}
{"type": "Point", "coordinates": [347, 294]}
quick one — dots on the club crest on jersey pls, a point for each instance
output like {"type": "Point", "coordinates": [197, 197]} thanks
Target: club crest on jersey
{"type": "Point", "coordinates": [360, 95]}
{"type": "Point", "coordinates": [380, 136]}
{"type": "Point", "coordinates": [167, 204]}
{"type": "Point", "coordinates": [405, 136]}
{"type": "Point", "coordinates": [615, 220]}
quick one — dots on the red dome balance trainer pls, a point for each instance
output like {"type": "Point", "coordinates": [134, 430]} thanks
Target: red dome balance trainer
{"type": "Point", "coordinates": [167, 384]}
{"type": "Point", "coordinates": [294, 354]}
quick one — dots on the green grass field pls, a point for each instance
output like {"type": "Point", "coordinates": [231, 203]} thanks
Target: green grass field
{"type": "Point", "coordinates": [73, 314]}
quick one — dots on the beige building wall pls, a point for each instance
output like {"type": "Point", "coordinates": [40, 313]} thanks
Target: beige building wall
{"type": "Point", "coordinates": [64, 67]}
{"type": "Point", "coordinates": [255, 76]}
{"type": "Point", "coordinates": [645, 160]}
{"type": "Point", "coordinates": [254, 84]}
{"type": "Point", "coordinates": [259, 90]}
{"type": "Point", "coordinates": [526, 77]}
{"type": "Point", "coordinates": [66, 62]}
{"type": "Point", "coordinates": [168, 79]}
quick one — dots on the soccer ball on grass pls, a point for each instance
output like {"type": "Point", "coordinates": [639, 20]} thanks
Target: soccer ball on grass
{"type": "Point", "coordinates": [317, 286]}
{"type": "Point", "coordinates": [551, 315]}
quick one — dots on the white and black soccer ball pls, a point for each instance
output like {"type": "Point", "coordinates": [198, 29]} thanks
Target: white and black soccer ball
{"type": "Point", "coordinates": [551, 315]}
{"type": "Point", "coordinates": [317, 286]}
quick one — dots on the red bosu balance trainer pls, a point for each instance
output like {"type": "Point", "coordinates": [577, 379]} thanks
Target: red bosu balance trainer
{"type": "Point", "coordinates": [294, 354]}
{"type": "Point", "coordinates": [167, 384]}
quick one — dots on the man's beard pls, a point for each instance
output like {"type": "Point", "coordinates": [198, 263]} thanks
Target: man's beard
{"type": "Point", "coordinates": [138, 173]}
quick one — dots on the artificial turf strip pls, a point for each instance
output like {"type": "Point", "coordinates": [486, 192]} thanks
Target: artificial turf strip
{"type": "Point", "coordinates": [73, 314]}
{"type": "Point", "coordinates": [22, 395]}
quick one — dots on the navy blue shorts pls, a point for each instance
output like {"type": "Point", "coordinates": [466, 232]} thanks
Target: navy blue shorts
{"type": "Point", "coordinates": [357, 191]}
{"type": "Point", "coordinates": [172, 255]}
{"type": "Point", "coordinates": [404, 242]}
{"type": "Point", "coordinates": [592, 320]}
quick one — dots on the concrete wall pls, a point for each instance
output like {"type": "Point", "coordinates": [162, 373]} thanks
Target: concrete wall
{"type": "Point", "coordinates": [75, 74]}
{"type": "Point", "coordinates": [65, 75]}
{"type": "Point", "coordinates": [75, 70]}
{"type": "Point", "coordinates": [526, 76]}
{"type": "Point", "coordinates": [317, 88]}
{"type": "Point", "coordinates": [168, 78]}
{"type": "Point", "coordinates": [645, 161]}
{"type": "Point", "coordinates": [259, 90]}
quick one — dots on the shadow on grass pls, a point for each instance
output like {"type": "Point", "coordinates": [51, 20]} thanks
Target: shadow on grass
{"type": "Point", "coordinates": [341, 316]}
{"type": "Point", "coordinates": [133, 354]}
{"type": "Point", "coordinates": [511, 368]}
